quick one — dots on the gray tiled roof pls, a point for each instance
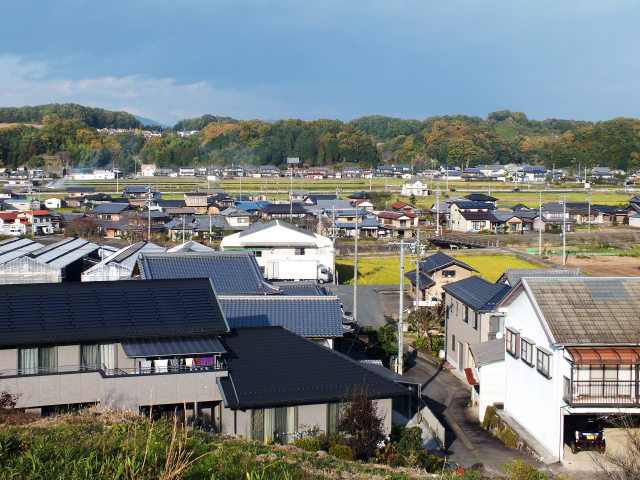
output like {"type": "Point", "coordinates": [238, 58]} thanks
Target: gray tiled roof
{"type": "Point", "coordinates": [488, 352]}
{"type": "Point", "coordinates": [231, 272]}
{"type": "Point", "coordinates": [258, 226]}
{"type": "Point", "coordinates": [300, 288]}
{"type": "Point", "coordinates": [589, 310]}
{"type": "Point", "coordinates": [478, 293]}
{"type": "Point", "coordinates": [512, 276]}
{"type": "Point", "coordinates": [440, 260]}
{"type": "Point", "coordinates": [316, 317]}
{"type": "Point", "coordinates": [270, 366]}
{"type": "Point", "coordinates": [110, 208]}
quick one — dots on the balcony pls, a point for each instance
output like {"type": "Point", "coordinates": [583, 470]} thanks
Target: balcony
{"type": "Point", "coordinates": [217, 366]}
{"type": "Point", "coordinates": [602, 393]}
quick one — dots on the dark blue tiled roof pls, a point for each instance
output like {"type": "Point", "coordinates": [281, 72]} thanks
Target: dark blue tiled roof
{"type": "Point", "coordinates": [480, 197]}
{"type": "Point", "coordinates": [316, 317]}
{"type": "Point", "coordinates": [231, 273]}
{"type": "Point", "coordinates": [478, 293]}
{"type": "Point", "coordinates": [473, 205]}
{"type": "Point", "coordinates": [271, 366]}
{"type": "Point", "coordinates": [110, 208]}
{"type": "Point", "coordinates": [108, 311]}
{"type": "Point", "coordinates": [440, 260]}
{"type": "Point", "coordinates": [425, 280]}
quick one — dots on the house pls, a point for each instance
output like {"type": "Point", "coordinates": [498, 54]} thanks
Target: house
{"type": "Point", "coordinates": [436, 271]}
{"type": "Point", "coordinates": [80, 191]}
{"type": "Point", "coordinates": [469, 216]}
{"type": "Point", "coordinates": [236, 218]}
{"type": "Point", "coordinates": [268, 171]}
{"type": "Point", "coordinates": [120, 264]}
{"type": "Point", "coordinates": [127, 339]}
{"type": "Point", "coordinates": [513, 276]}
{"type": "Point", "coordinates": [147, 169]}
{"type": "Point", "coordinates": [90, 174]}
{"type": "Point", "coordinates": [472, 174]}
{"type": "Point", "coordinates": [186, 227]}
{"type": "Point", "coordinates": [415, 187]}
{"type": "Point", "coordinates": [487, 375]}
{"type": "Point", "coordinates": [470, 317]}
{"type": "Point", "coordinates": [187, 172]}
{"type": "Point", "coordinates": [368, 226]}
{"type": "Point", "coordinates": [284, 210]}
{"type": "Point", "coordinates": [481, 197]}
{"type": "Point", "coordinates": [315, 175]}
{"type": "Point", "coordinates": [352, 172]}
{"type": "Point", "coordinates": [139, 192]}
{"type": "Point", "coordinates": [109, 211]}
{"type": "Point", "coordinates": [33, 222]}
{"type": "Point", "coordinates": [298, 195]}
{"type": "Point", "coordinates": [197, 200]}
{"type": "Point", "coordinates": [571, 353]}
{"type": "Point", "coordinates": [230, 272]}
{"type": "Point", "coordinates": [552, 225]}
{"type": "Point", "coordinates": [317, 317]}
{"type": "Point", "coordinates": [278, 241]}
{"type": "Point", "coordinates": [401, 224]}
{"type": "Point", "coordinates": [634, 221]}
{"type": "Point", "coordinates": [21, 204]}
{"type": "Point", "coordinates": [54, 203]}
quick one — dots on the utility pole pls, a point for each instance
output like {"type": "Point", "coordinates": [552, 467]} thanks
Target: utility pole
{"type": "Point", "coordinates": [210, 229]}
{"type": "Point", "coordinates": [149, 213]}
{"type": "Point", "coordinates": [355, 272]}
{"type": "Point", "coordinates": [417, 268]}
{"type": "Point", "coordinates": [400, 309]}
{"type": "Point", "coordinates": [333, 235]}
{"type": "Point", "coordinates": [437, 209]}
{"type": "Point", "coordinates": [540, 224]}
{"type": "Point", "coordinates": [291, 199]}
{"type": "Point", "coordinates": [183, 228]}
{"type": "Point", "coordinates": [589, 213]}
{"type": "Point", "coordinates": [564, 230]}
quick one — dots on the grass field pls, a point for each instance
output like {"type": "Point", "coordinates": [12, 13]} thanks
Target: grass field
{"type": "Point", "coordinates": [386, 270]}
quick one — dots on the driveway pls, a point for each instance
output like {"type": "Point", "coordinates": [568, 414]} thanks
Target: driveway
{"type": "Point", "coordinates": [466, 441]}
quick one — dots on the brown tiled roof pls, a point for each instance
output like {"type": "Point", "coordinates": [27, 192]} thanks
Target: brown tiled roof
{"type": "Point", "coordinates": [589, 310]}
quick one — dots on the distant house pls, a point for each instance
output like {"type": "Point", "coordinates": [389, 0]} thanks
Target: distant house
{"type": "Point", "coordinates": [147, 169]}
{"type": "Point", "coordinates": [109, 211]}
{"type": "Point", "coordinates": [415, 187]}
{"type": "Point", "coordinates": [402, 224]}
{"type": "Point", "coordinates": [470, 216]}
{"type": "Point", "coordinates": [32, 222]}
{"type": "Point", "coordinates": [54, 203]}
{"type": "Point", "coordinates": [187, 172]}
{"type": "Point", "coordinates": [284, 210]}
{"type": "Point", "coordinates": [197, 200]}
{"type": "Point", "coordinates": [237, 218]}
{"type": "Point", "coordinates": [436, 271]}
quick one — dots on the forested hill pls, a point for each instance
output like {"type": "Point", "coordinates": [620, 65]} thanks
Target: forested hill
{"type": "Point", "coordinates": [93, 117]}
{"type": "Point", "coordinates": [502, 137]}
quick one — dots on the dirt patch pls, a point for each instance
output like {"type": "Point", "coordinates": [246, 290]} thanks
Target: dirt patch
{"type": "Point", "coordinates": [603, 265]}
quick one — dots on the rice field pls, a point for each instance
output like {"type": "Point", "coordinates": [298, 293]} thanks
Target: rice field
{"type": "Point", "coordinates": [386, 270]}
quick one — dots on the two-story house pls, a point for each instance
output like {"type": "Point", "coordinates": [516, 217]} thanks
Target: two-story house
{"type": "Point", "coordinates": [402, 224]}
{"type": "Point", "coordinates": [571, 353]}
{"type": "Point", "coordinates": [435, 272]}
{"type": "Point", "coordinates": [470, 317]}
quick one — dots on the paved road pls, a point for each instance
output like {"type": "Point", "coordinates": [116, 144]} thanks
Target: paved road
{"type": "Point", "coordinates": [467, 442]}
{"type": "Point", "coordinates": [374, 302]}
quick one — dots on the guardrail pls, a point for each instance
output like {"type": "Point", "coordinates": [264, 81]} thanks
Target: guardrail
{"type": "Point", "coordinates": [112, 372]}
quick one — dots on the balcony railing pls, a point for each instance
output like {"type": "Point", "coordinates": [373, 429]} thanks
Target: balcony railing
{"type": "Point", "coordinates": [113, 372]}
{"type": "Point", "coordinates": [603, 393]}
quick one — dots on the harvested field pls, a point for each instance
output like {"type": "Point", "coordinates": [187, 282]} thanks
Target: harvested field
{"type": "Point", "coordinates": [603, 265]}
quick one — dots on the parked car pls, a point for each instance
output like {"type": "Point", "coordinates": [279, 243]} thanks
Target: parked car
{"type": "Point", "coordinates": [516, 189]}
{"type": "Point", "coordinates": [587, 436]}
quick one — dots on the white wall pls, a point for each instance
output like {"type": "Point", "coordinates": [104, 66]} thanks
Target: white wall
{"type": "Point", "coordinates": [533, 400]}
{"type": "Point", "coordinates": [491, 386]}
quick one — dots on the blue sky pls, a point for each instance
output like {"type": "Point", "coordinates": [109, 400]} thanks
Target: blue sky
{"type": "Point", "coordinates": [335, 59]}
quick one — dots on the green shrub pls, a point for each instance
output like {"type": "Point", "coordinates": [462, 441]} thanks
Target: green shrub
{"type": "Point", "coordinates": [411, 442]}
{"type": "Point", "coordinates": [310, 444]}
{"type": "Point", "coordinates": [518, 470]}
{"type": "Point", "coordinates": [429, 462]}
{"type": "Point", "coordinates": [509, 438]}
{"type": "Point", "coordinates": [490, 418]}
{"type": "Point", "coordinates": [343, 452]}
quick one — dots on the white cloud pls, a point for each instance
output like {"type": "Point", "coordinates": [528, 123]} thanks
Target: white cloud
{"type": "Point", "coordinates": [161, 99]}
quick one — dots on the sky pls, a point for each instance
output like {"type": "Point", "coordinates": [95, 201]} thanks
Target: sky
{"type": "Point", "coordinates": [267, 59]}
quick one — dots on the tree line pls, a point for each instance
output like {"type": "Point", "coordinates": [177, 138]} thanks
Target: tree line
{"type": "Point", "coordinates": [69, 132]}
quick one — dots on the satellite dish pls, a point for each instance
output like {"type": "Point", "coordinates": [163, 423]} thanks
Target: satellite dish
{"type": "Point", "coordinates": [499, 335]}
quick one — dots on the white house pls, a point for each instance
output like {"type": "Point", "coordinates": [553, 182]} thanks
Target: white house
{"type": "Point", "coordinates": [488, 371]}
{"type": "Point", "coordinates": [415, 187]}
{"type": "Point", "coordinates": [147, 169]}
{"type": "Point", "coordinates": [278, 241]}
{"type": "Point", "coordinates": [90, 174]}
{"type": "Point", "coordinates": [572, 352]}
{"type": "Point", "coordinates": [53, 202]}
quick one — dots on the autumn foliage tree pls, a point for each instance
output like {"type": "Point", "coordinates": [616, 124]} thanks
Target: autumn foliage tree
{"type": "Point", "coordinates": [361, 423]}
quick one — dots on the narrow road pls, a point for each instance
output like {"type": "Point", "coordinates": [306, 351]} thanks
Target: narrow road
{"type": "Point", "coordinates": [467, 442]}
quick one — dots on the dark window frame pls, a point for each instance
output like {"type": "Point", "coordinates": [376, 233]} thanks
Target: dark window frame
{"type": "Point", "coordinates": [512, 343]}
{"type": "Point", "coordinates": [543, 357]}
{"type": "Point", "coordinates": [526, 351]}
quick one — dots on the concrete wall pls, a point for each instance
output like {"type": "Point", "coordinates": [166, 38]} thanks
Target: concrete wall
{"type": "Point", "coordinates": [441, 281]}
{"type": "Point", "coordinates": [531, 399]}
{"type": "Point", "coordinates": [491, 378]}
{"type": "Point", "coordinates": [8, 359]}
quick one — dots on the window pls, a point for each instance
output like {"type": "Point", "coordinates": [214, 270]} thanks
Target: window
{"type": "Point", "coordinates": [526, 351]}
{"type": "Point", "coordinates": [258, 253]}
{"type": "Point", "coordinates": [465, 314]}
{"type": "Point", "coordinates": [36, 360]}
{"type": "Point", "coordinates": [453, 343]}
{"type": "Point", "coordinates": [96, 356]}
{"type": "Point", "coordinates": [512, 341]}
{"type": "Point", "coordinates": [298, 251]}
{"type": "Point", "coordinates": [273, 424]}
{"type": "Point", "coordinates": [334, 412]}
{"type": "Point", "coordinates": [475, 320]}
{"type": "Point", "coordinates": [448, 273]}
{"type": "Point", "coordinates": [494, 326]}
{"type": "Point", "coordinates": [544, 363]}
